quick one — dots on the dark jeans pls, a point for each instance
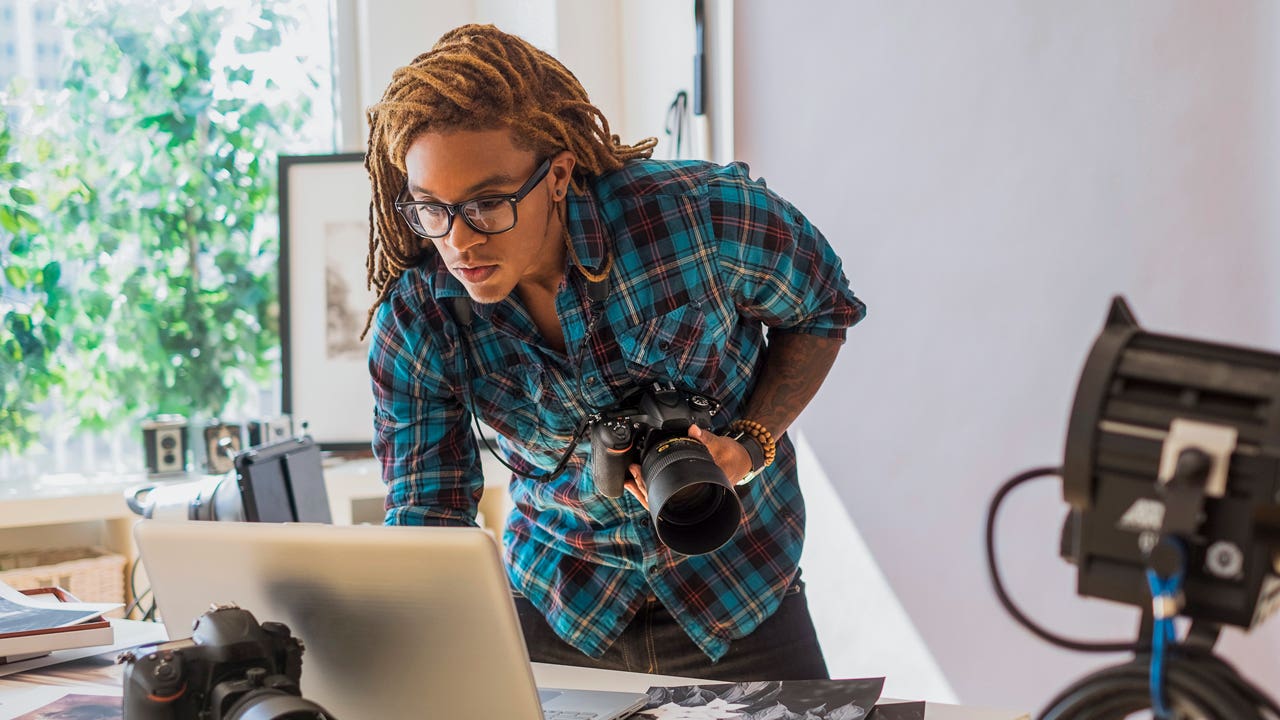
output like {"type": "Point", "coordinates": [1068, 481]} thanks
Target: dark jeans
{"type": "Point", "coordinates": [783, 647]}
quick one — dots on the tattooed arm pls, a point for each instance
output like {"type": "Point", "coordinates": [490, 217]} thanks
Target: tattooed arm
{"type": "Point", "coordinates": [794, 370]}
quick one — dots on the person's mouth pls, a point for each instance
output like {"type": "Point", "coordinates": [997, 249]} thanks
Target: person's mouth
{"type": "Point", "coordinates": [475, 273]}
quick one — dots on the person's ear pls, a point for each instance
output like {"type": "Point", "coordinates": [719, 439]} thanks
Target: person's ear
{"type": "Point", "coordinates": [561, 172]}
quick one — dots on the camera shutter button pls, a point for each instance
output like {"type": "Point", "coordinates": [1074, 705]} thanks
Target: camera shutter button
{"type": "Point", "coordinates": [165, 671]}
{"type": "Point", "coordinates": [277, 629]}
{"type": "Point", "coordinates": [255, 676]}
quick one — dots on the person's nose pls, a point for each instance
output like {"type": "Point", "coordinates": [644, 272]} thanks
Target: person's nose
{"type": "Point", "coordinates": [462, 237]}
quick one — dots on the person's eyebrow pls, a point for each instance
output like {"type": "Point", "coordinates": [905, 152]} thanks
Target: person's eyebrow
{"type": "Point", "coordinates": [497, 179]}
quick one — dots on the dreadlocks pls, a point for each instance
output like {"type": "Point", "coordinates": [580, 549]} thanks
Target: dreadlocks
{"type": "Point", "coordinates": [477, 78]}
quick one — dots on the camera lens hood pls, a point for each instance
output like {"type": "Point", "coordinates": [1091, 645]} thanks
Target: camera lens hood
{"type": "Point", "coordinates": [694, 507]}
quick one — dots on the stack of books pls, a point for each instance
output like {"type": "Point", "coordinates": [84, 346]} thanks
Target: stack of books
{"type": "Point", "coordinates": [40, 621]}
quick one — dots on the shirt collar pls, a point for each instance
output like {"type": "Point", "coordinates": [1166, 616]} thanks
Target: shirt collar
{"type": "Point", "coordinates": [586, 230]}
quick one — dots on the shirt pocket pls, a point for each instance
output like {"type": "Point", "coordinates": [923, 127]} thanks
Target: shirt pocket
{"type": "Point", "coordinates": [508, 401]}
{"type": "Point", "coordinates": [672, 347]}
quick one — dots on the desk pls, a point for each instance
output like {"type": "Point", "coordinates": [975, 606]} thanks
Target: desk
{"type": "Point", "coordinates": [100, 675]}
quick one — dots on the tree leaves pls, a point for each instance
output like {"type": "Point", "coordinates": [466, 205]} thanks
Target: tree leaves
{"type": "Point", "coordinates": [130, 236]}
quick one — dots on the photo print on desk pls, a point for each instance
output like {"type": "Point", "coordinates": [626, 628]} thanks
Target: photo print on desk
{"type": "Point", "coordinates": [79, 707]}
{"type": "Point", "coordinates": [777, 700]}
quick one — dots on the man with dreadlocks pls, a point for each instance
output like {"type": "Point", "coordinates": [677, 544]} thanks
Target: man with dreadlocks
{"type": "Point", "coordinates": [532, 269]}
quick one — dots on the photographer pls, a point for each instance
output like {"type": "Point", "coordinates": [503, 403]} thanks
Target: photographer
{"type": "Point", "coordinates": [588, 271]}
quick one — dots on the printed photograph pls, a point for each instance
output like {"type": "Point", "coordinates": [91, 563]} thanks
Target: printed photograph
{"type": "Point", "coordinates": [79, 707]}
{"type": "Point", "coordinates": [785, 700]}
{"type": "Point", "coordinates": [23, 618]}
{"type": "Point", "coordinates": [899, 711]}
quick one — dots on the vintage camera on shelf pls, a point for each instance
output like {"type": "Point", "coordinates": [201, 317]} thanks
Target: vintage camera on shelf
{"type": "Point", "coordinates": [270, 430]}
{"type": "Point", "coordinates": [694, 507]}
{"type": "Point", "coordinates": [230, 668]}
{"type": "Point", "coordinates": [164, 439]}
{"type": "Point", "coordinates": [279, 482]}
{"type": "Point", "coordinates": [217, 446]}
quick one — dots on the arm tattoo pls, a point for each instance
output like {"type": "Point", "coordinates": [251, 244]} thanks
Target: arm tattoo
{"type": "Point", "coordinates": [793, 371]}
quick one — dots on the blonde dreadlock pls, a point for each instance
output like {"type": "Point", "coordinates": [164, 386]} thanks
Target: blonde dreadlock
{"type": "Point", "coordinates": [477, 77]}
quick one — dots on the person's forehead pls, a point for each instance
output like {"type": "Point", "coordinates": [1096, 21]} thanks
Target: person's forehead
{"type": "Point", "coordinates": [446, 164]}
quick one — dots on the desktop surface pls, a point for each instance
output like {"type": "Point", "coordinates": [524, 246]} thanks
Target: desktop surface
{"type": "Point", "coordinates": [101, 675]}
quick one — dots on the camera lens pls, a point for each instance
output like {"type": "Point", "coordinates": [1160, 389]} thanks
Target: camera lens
{"type": "Point", "coordinates": [168, 442]}
{"type": "Point", "coordinates": [271, 704]}
{"type": "Point", "coordinates": [694, 508]}
{"type": "Point", "coordinates": [692, 505]}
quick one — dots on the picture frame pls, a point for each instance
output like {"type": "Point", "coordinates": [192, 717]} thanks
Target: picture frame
{"type": "Point", "coordinates": [324, 298]}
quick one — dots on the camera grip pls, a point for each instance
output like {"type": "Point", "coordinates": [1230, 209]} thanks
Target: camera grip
{"type": "Point", "coordinates": [611, 442]}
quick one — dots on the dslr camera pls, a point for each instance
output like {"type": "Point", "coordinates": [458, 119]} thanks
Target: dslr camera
{"type": "Point", "coordinates": [694, 508]}
{"type": "Point", "coordinates": [230, 668]}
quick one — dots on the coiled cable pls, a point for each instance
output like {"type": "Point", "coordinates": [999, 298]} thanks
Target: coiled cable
{"type": "Point", "coordinates": [1197, 685]}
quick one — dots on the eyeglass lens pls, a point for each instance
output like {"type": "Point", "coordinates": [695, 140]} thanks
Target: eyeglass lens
{"type": "Point", "coordinates": [485, 215]}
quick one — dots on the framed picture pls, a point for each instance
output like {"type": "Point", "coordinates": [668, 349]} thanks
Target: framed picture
{"type": "Point", "coordinates": [324, 300]}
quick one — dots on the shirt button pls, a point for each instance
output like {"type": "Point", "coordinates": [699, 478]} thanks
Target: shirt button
{"type": "Point", "coordinates": [655, 570]}
{"type": "Point", "coordinates": [591, 379]}
{"type": "Point", "coordinates": [664, 345]}
{"type": "Point", "coordinates": [645, 521]}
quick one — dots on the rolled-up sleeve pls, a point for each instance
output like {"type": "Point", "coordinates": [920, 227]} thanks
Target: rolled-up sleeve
{"type": "Point", "coordinates": [422, 435]}
{"type": "Point", "coordinates": [778, 267]}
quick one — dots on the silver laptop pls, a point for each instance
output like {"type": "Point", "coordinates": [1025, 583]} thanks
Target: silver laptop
{"type": "Point", "coordinates": [396, 622]}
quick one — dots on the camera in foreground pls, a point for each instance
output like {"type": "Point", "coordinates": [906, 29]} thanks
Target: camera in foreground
{"type": "Point", "coordinates": [694, 507]}
{"type": "Point", "coordinates": [231, 668]}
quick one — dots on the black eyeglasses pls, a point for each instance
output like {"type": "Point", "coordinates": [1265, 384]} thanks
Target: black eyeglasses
{"type": "Point", "coordinates": [491, 214]}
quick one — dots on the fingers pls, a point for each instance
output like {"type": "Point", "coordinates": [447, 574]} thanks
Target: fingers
{"type": "Point", "coordinates": [636, 486]}
{"type": "Point", "coordinates": [728, 454]}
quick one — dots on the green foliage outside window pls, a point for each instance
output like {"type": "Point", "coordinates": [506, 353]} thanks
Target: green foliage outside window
{"type": "Point", "coordinates": [138, 229]}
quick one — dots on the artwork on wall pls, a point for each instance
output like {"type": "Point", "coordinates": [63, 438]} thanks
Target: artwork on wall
{"type": "Point", "coordinates": [324, 299]}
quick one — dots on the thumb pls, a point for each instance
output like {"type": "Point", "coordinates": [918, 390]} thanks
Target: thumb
{"type": "Point", "coordinates": [696, 432]}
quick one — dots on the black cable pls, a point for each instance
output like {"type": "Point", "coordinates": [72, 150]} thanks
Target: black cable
{"type": "Point", "coordinates": [561, 464]}
{"type": "Point", "coordinates": [1197, 683]}
{"type": "Point", "coordinates": [677, 124]}
{"type": "Point", "coordinates": [136, 603]}
{"type": "Point", "coordinates": [1007, 602]}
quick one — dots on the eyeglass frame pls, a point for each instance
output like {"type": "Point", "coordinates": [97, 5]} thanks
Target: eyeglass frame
{"type": "Point", "coordinates": [455, 209]}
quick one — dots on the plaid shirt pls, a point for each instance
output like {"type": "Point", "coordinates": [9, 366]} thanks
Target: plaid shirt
{"type": "Point", "coordinates": [704, 260]}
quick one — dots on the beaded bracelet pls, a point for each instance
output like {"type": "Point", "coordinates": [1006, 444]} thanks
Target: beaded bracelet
{"type": "Point", "coordinates": [759, 433]}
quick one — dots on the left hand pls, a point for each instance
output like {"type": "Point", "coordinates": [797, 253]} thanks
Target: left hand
{"type": "Point", "coordinates": [729, 454]}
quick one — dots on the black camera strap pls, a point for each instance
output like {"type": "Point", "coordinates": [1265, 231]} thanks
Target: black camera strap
{"type": "Point", "coordinates": [463, 316]}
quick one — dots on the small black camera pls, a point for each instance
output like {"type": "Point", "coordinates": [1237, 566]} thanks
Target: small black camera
{"type": "Point", "coordinates": [231, 668]}
{"type": "Point", "coordinates": [694, 507]}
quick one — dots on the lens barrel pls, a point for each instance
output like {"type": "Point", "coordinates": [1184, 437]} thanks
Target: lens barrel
{"type": "Point", "coordinates": [694, 508]}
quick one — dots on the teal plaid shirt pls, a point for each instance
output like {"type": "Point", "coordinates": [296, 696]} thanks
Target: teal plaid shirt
{"type": "Point", "coordinates": [705, 260]}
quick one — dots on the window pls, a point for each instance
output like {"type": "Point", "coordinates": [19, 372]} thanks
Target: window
{"type": "Point", "coordinates": [138, 237]}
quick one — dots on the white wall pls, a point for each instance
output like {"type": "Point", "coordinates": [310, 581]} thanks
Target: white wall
{"type": "Point", "coordinates": [992, 172]}
{"type": "Point", "coordinates": [631, 57]}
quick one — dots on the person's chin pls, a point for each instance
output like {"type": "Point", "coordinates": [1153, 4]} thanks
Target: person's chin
{"type": "Point", "coordinates": [487, 293]}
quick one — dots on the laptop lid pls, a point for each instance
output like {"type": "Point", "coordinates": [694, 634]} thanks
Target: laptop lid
{"type": "Point", "coordinates": [396, 622]}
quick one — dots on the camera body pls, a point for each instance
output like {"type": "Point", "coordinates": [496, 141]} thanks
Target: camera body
{"type": "Point", "coordinates": [627, 432]}
{"type": "Point", "coordinates": [217, 446]}
{"type": "Point", "coordinates": [229, 667]}
{"type": "Point", "coordinates": [164, 438]}
{"type": "Point", "coordinates": [695, 510]}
